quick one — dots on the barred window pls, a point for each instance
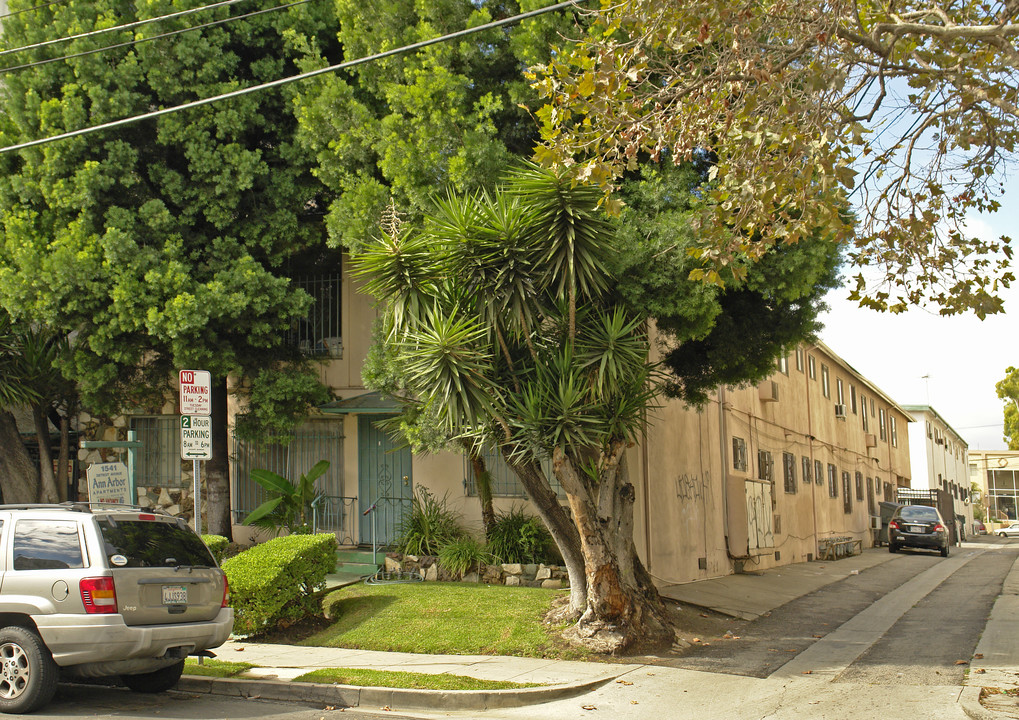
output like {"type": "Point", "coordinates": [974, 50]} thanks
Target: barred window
{"type": "Point", "coordinates": [806, 469]}
{"type": "Point", "coordinates": [319, 332]}
{"type": "Point", "coordinates": [158, 463]}
{"type": "Point", "coordinates": [505, 482]}
{"type": "Point", "coordinates": [847, 492]}
{"type": "Point", "coordinates": [739, 454]}
{"type": "Point", "coordinates": [833, 481]}
{"type": "Point", "coordinates": [819, 472]}
{"type": "Point", "coordinates": [859, 486]}
{"type": "Point", "coordinates": [789, 471]}
{"type": "Point", "coordinates": [765, 466]}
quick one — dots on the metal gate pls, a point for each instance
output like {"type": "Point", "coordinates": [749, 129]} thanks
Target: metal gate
{"type": "Point", "coordinates": [385, 482]}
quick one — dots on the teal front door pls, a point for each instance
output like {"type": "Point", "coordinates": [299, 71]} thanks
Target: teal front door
{"type": "Point", "coordinates": [385, 483]}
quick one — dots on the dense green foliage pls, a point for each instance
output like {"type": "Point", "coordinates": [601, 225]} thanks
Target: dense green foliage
{"type": "Point", "coordinates": [168, 243]}
{"type": "Point", "coordinates": [275, 583]}
{"type": "Point", "coordinates": [1008, 391]}
{"type": "Point", "coordinates": [430, 525]}
{"type": "Point", "coordinates": [410, 126]}
{"type": "Point", "coordinates": [517, 537]}
{"type": "Point", "coordinates": [461, 555]}
{"type": "Point", "coordinates": [217, 545]}
{"type": "Point", "coordinates": [289, 504]}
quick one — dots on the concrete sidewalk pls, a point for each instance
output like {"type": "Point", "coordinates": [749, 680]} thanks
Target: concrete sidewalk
{"type": "Point", "coordinates": [745, 596]}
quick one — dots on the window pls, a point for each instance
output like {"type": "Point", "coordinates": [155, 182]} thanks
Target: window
{"type": "Point", "coordinates": [895, 432]}
{"type": "Point", "coordinates": [847, 492]}
{"type": "Point", "coordinates": [878, 489]}
{"type": "Point", "coordinates": [819, 472]}
{"type": "Point", "coordinates": [859, 486]}
{"type": "Point", "coordinates": [157, 463]}
{"type": "Point", "coordinates": [799, 359]}
{"type": "Point", "coordinates": [833, 481]}
{"type": "Point", "coordinates": [739, 454]}
{"type": "Point", "coordinates": [789, 471]}
{"type": "Point", "coordinates": [881, 424]}
{"type": "Point", "coordinates": [839, 394]}
{"type": "Point", "coordinates": [825, 383]}
{"type": "Point", "coordinates": [811, 367]}
{"type": "Point", "coordinates": [863, 413]}
{"type": "Point", "coordinates": [46, 545]}
{"type": "Point", "coordinates": [765, 465]}
{"type": "Point", "coordinates": [143, 546]}
{"type": "Point", "coordinates": [806, 469]}
{"type": "Point", "coordinates": [505, 482]}
{"type": "Point", "coordinates": [319, 332]}
{"type": "Point", "coordinates": [930, 433]}
{"type": "Point", "coordinates": [783, 364]}
{"type": "Point", "coordinates": [852, 398]}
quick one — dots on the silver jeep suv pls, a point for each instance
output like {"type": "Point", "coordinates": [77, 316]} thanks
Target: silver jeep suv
{"type": "Point", "coordinates": [102, 590]}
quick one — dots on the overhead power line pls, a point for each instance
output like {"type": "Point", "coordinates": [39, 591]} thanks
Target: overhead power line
{"type": "Point", "coordinates": [293, 78]}
{"type": "Point", "coordinates": [126, 26]}
{"type": "Point", "coordinates": [138, 41]}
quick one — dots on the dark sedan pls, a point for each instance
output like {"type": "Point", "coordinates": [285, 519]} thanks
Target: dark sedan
{"type": "Point", "coordinates": [918, 526]}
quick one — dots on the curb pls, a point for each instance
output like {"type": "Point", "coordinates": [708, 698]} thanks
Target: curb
{"type": "Point", "coordinates": [356, 696]}
{"type": "Point", "coordinates": [969, 700]}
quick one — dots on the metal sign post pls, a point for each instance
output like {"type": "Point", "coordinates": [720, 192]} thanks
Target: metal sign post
{"type": "Point", "coordinates": [196, 428]}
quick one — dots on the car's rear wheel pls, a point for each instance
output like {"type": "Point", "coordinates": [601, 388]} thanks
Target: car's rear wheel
{"type": "Point", "coordinates": [944, 551]}
{"type": "Point", "coordinates": [157, 681]}
{"type": "Point", "coordinates": [892, 547]}
{"type": "Point", "coordinates": [1001, 534]}
{"type": "Point", "coordinates": [28, 675]}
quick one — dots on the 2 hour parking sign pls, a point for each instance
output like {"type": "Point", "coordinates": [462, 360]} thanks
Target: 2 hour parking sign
{"type": "Point", "coordinates": [196, 437]}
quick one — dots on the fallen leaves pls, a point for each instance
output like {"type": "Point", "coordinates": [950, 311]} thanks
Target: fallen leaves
{"type": "Point", "coordinates": [962, 662]}
{"type": "Point", "coordinates": [624, 682]}
{"type": "Point", "coordinates": [588, 707]}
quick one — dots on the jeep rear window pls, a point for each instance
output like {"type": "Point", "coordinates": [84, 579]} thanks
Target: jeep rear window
{"type": "Point", "coordinates": [46, 545]}
{"type": "Point", "coordinates": [148, 543]}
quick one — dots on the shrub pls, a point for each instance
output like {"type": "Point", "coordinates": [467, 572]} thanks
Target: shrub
{"type": "Point", "coordinates": [273, 585]}
{"type": "Point", "coordinates": [460, 556]}
{"type": "Point", "coordinates": [517, 537]}
{"type": "Point", "coordinates": [429, 526]}
{"type": "Point", "coordinates": [289, 506]}
{"type": "Point", "coordinates": [217, 545]}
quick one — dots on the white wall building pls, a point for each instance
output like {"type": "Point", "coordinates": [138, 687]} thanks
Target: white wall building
{"type": "Point", "coordinates": [939, 459]}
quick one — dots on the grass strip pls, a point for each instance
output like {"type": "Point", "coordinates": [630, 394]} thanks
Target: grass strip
{"type": "Point", "coordinates": [215, 668]}
{"type": "Point", "coordinates": [408, 680]}
{"type": "Point", "coordinates": [444, 619]}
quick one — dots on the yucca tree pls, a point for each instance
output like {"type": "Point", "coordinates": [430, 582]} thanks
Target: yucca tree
{"type": "Point", "coordinates": [507, 332]}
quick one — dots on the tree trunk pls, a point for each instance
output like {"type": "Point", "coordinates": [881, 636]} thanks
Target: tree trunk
{"type": "Point", "coordinates": [624, 612]}
{"type": "Point", "coordinates": [483, 482]}
{"type": "Point", "coordinates": [48, 481]}
{"type": "Point", "coordinates": [563, 531]}
{"type": "Point", "coordinates": [64, 458]}
{"type": "Point", "coordinates": [19, 478]}
{"type": "Point", "coordinates": [217, 470]}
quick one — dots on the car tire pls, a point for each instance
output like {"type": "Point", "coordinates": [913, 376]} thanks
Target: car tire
{"type": "Point", "coordinates": [28, 675]}
{"type": "Point", "coordinates": [893, 548]}
{"type": "Point", "coordinates": [157, 681]}
{"type": "Point", "coordinates": [1001, 534]}
{"type": "Point", "coordinates": [944, 551]}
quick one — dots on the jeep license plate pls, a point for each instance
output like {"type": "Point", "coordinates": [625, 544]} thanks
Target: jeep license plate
{"type": "Point", "coordinates": [175, 594]}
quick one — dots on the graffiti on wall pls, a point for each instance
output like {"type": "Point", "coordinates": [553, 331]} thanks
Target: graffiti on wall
{"type": "Point", "coordinates": [691, 487]}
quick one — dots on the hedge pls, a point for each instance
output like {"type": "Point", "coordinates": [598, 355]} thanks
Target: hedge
{"type": "Point", "coordinates": [273, 584]}
{"type": "Point", "coordinates": [217, 545]}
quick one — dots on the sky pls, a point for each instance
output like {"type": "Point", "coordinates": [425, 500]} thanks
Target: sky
{"type": "Point", "coordinates": [949, 363]}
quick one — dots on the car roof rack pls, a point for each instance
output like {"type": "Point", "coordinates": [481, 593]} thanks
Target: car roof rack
{"type": "Point", "coordinates": [82, 506]}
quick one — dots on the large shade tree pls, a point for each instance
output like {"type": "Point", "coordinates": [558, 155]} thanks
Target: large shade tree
{"type": "Point", "coordinates": [909, 111]}
{"type": "Point", "coordinates": [521, 319]}
{"type": "Point", "coordinates": [170, 243]}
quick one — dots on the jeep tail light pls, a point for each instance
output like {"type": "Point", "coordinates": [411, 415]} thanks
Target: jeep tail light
{"type": "Point", "coordinates": [226, 593]}
{"type": "Point", "coordinates": [98, 595]}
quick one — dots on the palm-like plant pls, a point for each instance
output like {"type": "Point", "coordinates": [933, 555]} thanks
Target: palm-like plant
{"type": "Point", "coordinates": [523, 347]}
{"type": "Point", "coordinates": [290, 509]}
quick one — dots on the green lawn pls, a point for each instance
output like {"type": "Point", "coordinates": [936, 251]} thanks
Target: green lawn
{"type": "Point", "coordinates": [443, 618]}
{"type": "Point", "coordinates": [214, 668]}
{"type": "Point", "coordinates": [399, 679]}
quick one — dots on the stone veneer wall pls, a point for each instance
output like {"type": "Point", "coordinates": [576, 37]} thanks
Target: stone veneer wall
{"type": "Point", "coordinates": [531, 575]}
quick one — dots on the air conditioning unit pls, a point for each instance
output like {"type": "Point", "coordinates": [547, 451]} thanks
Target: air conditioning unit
{"type": "Point", "coordinates": [871, 439]}
{"type": "Point", "coordinates": [875, 522]}
{"type": "Point", "coordinates": [768, 391]}
{"type": "Point", "coordinates": [840, 411]}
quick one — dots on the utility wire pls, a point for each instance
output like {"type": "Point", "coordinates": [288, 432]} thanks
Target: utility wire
{"type": "Point", "coordinates": [293, 78]}
{"type": "Point", "coordinates": [37, 7]}
{"type": "Point", "coordinates": [126, 26]}
{"type": "Point", "coordinates": [147, 39]}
